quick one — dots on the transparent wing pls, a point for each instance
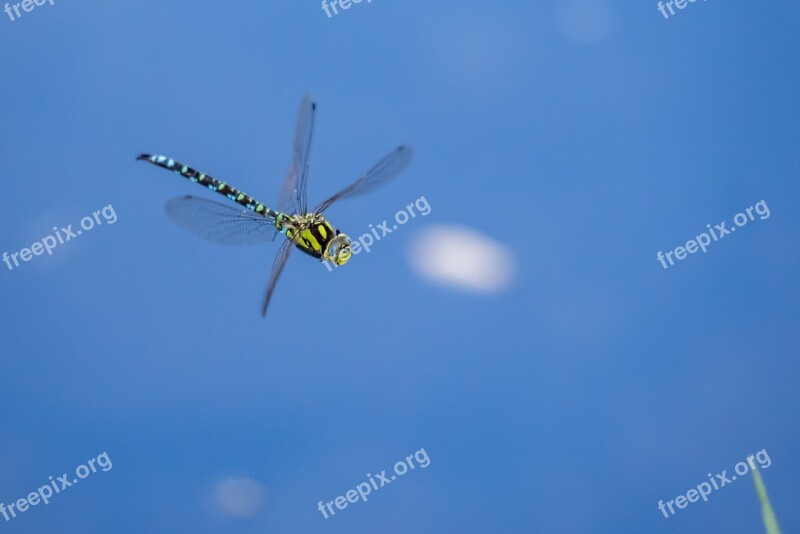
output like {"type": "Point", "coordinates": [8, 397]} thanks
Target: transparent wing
{"type": "Point", "coordinates": [219, 223]}
{"type": "Point", "coordinates": [277, 269]}
{"type": "Point", "coordinates": [385, 170]}
{"type": "Point", "coordinates": [293, 193]}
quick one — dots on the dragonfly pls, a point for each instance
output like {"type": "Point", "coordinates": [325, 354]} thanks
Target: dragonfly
{"type": "Point", "coordinates": [251, 222]}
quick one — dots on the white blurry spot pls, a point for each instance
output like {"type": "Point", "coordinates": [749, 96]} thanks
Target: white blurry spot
{"type": "Point", "coordinates": [584, 21]}
{"type": "Point", "coordinates": [461, 257]}
{"type": "Point", "coordinates": [241, 498]}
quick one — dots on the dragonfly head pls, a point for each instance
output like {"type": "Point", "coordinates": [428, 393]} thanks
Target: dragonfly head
{"type": "Point", "coordinates": [339, 249]}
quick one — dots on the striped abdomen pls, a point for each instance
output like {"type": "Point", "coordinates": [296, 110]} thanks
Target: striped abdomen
{"type": "Point", "coordinates": [212, 183]}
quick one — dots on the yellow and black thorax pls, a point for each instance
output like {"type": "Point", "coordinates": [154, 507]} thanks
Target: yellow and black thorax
{"type": "Point", "coordinates": [311, 233]}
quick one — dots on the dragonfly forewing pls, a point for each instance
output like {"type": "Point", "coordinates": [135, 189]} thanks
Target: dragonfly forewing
{"type": "Point", "coordinates": [293, 197]}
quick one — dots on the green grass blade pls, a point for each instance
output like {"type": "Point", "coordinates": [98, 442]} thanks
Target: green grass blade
{"type": "Point", "coordinates": [770, 521]}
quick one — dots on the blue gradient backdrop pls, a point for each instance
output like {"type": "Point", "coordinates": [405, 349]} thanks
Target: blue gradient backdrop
{"type": "Point", "coordinates": [597, 385]}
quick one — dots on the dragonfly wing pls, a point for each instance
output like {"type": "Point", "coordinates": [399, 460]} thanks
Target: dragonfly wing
{"type": "Point", "coordinates": [293, 194]}
{"type": "Point", "coordinates": [386, 169]}
{"type": "Point", "coordinates": [220, 223]}
{"type": "Point", "coordinates": [277, 269]}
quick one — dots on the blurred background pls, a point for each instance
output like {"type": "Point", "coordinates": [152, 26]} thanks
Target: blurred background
{"type": "Point", "coordinates": [522, 333]}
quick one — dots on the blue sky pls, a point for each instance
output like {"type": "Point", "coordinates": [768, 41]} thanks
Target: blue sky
{"type": "Point", "coordinates": [584, 136]}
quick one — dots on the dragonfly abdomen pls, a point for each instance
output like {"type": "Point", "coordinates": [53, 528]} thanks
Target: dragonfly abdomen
{"type": "Point", "coordinates": [210, 182]}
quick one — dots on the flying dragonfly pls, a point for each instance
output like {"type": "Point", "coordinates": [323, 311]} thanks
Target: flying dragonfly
{"type": "Point", "coordinates": [252, 222]}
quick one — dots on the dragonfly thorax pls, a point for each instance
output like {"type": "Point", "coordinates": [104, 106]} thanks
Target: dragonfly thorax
{"type": "Point", "coordinates": [316, 237]}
